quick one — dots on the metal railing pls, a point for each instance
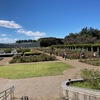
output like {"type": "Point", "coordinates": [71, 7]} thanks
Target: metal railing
{"type": "Point", "coordinates": [7, 94]}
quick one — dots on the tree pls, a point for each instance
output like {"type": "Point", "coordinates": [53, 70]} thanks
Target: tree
{"type": "Point", "coordinates": [25, 41]}
{"type": "Point", "coordinates": [45, 42]}
{"type": "Point", "coordinates": [85, 36]}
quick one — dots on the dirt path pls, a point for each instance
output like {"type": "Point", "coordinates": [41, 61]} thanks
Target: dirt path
{"type": "Point", "coordinates": [44, 88]}
{"type": "Point", "coordinates": [5, 61]}
{"type": "Point", "coordinates": [77, 67]}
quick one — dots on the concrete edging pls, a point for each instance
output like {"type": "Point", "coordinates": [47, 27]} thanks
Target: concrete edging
{"type": "Point", "coordinates": [77, 93]}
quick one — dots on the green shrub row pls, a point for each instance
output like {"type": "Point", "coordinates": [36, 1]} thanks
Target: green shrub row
{"type": "Point", "coordinates": [31, 53]}
{"type": "Point", "coordinates": [95, 62]}
{"type": "Point", "coordinates": [23, 50]}
{"type": "Point", "coordinates": [71, 54]}
{"type": "Point", "coordinates": [34, 58]}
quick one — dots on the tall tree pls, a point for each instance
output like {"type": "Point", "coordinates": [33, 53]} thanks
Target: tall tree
{"type": "Point", "coordinates": [45, 42]}
{"type": "Point", "coordinates": [86, 35]}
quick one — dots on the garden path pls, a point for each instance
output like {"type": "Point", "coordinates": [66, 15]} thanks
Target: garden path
{"type": "Point", "coordinates": [77, 66]}
{"type": "Point", "coordinates": [5, 60]}
{"type": "Point", "coordinates": [47, 87]}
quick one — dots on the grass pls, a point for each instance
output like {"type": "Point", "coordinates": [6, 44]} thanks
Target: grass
{"type": "Point", "coordinates": [81, 84]}
{"type": "Point", "coordinates": [18, 71]}
{"type": "Point", "coordinates": [85, 85]}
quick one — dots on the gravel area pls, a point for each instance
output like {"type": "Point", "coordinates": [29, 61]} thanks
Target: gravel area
{"type": "Point", "coordinates": [43, 88]}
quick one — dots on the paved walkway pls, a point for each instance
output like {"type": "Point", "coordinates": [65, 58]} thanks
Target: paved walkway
{"type": "Point", "coordinates": [47, 87]}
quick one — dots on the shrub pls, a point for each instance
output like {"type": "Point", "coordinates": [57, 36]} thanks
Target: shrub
{"type": "Point", "coordinates": [19, 50]}
{"type": "Point", "coordinates": [7, 50]}
{"type": "Point", "coordinates": [15, 58]}
{"type": "Point", "coordinates": [45, 57]}
{"type": "Point", "coordinates": [33, 58]}
{"type": "Point", "coordinates": [92, 77]}
{"type": "Point", "coordinates": [95, 62]}
{"type": "Point", "coordinates": [31, 53]}
{"type": "Point", "coordinates": [1, 58]}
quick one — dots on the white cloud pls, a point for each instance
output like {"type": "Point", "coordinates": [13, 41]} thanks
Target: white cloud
{"type": "Point", "coordinates": [13, 25]}
{"type": "Point", "coordinates": [7, 40]}
{"type": "Point", "coordinates": [30, 33]}
{"type": "Point", "coordinates": [9, 24]}
{"type": "Point", "coordinates": [3, 35]}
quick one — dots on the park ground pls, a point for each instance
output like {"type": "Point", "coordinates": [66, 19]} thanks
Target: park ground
{"type": "Point", "coordinates": [43, 88]}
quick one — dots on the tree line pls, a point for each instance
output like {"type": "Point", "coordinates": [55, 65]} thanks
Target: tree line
{"type": "Point", "coordinates": [85, 36]}
{"type": "Point", "coordinates": [25, 41]}
{"type": "Point", "coordinates": [44, 42]}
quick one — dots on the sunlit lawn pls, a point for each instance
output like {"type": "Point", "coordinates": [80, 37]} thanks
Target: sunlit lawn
{"type": "Point", "coordinates": [18, 71]}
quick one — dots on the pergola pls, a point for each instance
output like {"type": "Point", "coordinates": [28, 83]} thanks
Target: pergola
{"type": "Point", "coordinates": [88, 47]}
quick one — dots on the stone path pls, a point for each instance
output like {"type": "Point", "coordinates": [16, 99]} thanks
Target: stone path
{"type": "Point", "coordinates": [44, 88]}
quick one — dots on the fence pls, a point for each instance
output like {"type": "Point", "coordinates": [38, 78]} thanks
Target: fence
{"type": "Point", "coordinates": [7, 94]}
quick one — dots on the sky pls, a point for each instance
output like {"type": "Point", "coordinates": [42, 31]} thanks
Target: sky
{"type": "Point", "coordinates": [34, 19]}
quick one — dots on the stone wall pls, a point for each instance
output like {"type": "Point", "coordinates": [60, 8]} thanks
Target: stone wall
{"type": "Point", "coordinates": [76, 93]}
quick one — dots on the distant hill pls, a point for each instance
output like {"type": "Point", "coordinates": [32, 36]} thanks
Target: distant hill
{"type": "Point", "coordinates": [20, 45]}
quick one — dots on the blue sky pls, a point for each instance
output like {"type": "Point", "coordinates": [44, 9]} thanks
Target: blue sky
{"type": "Point", "coordinates": [33, 19]}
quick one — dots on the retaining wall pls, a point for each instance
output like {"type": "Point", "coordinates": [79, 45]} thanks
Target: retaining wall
{"type": "Point", "coordinates": [76, 93]}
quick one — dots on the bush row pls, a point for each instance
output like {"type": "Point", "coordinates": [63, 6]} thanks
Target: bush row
{"type": "Point", "coordinates": [95, 62]}
{"type": "Point", "coordinates": [71, 54]}
{"type": "Point", "coordinates": [34, 58]}
{"type": "Point", "coordinates": [22, 50]}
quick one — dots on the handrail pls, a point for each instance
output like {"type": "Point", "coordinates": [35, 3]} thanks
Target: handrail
{"type": "Point", "coordinates": [8, 93]}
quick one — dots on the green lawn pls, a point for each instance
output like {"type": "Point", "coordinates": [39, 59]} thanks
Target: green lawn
{"type": "Point", "coordinates": [17, 71]}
